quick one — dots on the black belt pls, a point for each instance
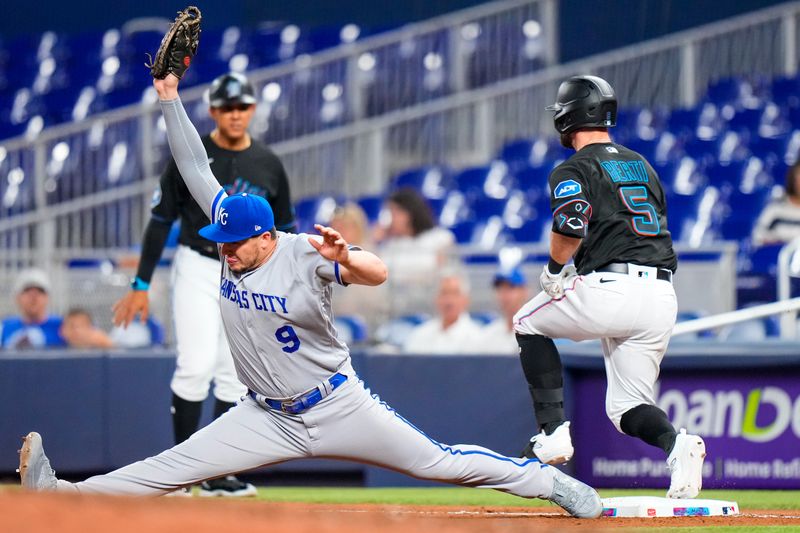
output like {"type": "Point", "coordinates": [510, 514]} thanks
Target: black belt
{"type": "Point", "coordinates": [663, 274]}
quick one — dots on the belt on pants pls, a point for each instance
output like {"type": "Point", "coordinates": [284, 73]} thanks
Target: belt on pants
{"type": "Point", "coordinates": [663, 274]}
{"type": "Point", "coordinates": [303, 402]}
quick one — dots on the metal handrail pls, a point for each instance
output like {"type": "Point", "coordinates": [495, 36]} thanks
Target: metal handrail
{"type": "Point", "coordinates": [784, 275]}
{"type": "Point", "coordinates": [297, 64]}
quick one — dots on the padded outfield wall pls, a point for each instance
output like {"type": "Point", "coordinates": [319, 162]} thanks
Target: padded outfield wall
{"type": "Point", "coordinates": [99, 411]}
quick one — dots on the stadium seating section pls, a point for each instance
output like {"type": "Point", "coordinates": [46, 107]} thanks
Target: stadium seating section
{"type": "Point", "coordinates": [720, 161]}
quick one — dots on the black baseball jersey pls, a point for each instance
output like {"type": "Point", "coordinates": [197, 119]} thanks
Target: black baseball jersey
{"type": "Point", "coordinates": [611, 198]}
{"type": "Point", "coordinates": [255, 170]}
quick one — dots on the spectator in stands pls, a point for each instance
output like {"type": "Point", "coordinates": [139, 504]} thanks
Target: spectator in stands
{"type": "Point", "coordinates": [511, 291]}
{"type": "Point", "coordinates": [780, 220]}
{"type": "Point", "coordinates": [79, 331]}
{"type": "Point", "coordinates": [368, 305]}
{"type": "Point", "coordinates": [413, 248]}
{"type": "Point", "coordinates": [452, 331]}
{"type": "Point", "coordinates": [351, 221]}
{"type": "Point", "coordinates": [33, 328]}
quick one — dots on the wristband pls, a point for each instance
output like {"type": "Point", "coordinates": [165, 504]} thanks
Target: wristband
{"type": "Point", "coordinates": [553, 266]}
{"type": "Point", "coordinates": [138, 284]}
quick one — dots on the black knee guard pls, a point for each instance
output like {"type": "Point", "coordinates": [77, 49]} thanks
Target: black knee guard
{"type": "Point", "coordinates": [650, 424]}
{"type": "Point", "coordinates": [542, 367]}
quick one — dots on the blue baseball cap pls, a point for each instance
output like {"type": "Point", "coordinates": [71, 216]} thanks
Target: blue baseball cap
{"type": "Point", "coordinates": [512, 276]}
{"type": "Point", "coordinates": [240, 217]}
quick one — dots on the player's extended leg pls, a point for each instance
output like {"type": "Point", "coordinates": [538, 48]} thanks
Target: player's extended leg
{"type": "Point", "coordinates": [357, 426]}
{"type": "Point", "coordinates": [195, 300]}
{"type": "Point", "coordinates": [244, 438]}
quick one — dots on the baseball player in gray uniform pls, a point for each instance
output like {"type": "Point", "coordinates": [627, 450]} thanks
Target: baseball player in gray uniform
{"type": "Point", "coordinates": [304, 399]}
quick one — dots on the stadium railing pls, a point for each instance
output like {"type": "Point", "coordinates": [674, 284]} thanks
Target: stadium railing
{"type": "Point", "coordinates": [46, 221]}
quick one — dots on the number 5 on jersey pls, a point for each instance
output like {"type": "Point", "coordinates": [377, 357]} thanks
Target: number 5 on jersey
{"type": "Point", "coordinates": [287, 336]}
{"type": "Point", "coordinates": [635, 200]}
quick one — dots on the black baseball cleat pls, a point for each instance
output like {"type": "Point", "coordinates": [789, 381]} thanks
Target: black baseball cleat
{"type": "Point", "coordinates": [228, 487]}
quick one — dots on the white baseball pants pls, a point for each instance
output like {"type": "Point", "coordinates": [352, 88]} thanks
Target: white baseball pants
{"type": "Point", "coordinates": [349, 424]}
{"type": "Point", "coordinates": [632, 316]}
{"type": "Point", "coordinates": [201, 344]}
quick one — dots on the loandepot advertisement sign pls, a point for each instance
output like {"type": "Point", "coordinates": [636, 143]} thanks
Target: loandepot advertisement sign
{"type": "Point", "coordinates": [750, 420]}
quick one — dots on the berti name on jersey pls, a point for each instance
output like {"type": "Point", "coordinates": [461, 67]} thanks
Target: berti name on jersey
{"type": "Point", "coordinates": [611, 197]}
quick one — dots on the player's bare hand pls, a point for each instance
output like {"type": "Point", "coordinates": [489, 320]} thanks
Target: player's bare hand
{"type": "Point", "coordinates": [333, 246]}
{"type": "Point", "coordinates": [133, 303]}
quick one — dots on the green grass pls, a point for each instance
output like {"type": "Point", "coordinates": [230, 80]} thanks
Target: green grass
{"type": "Point", "coordinates": [753, 499]}
{"type": "Point", "coordinates": [726, 529]}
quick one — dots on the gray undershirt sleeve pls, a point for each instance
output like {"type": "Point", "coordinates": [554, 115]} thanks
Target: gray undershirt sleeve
{"type": "Point", "coordinates": [190, 155]}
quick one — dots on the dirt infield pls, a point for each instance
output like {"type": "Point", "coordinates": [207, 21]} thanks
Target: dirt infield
{"type": "Point", "coordinates": [35, 513]}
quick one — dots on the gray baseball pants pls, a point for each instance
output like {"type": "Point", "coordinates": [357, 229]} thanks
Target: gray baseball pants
{"type": "Point", "coordinates": [348, 424]}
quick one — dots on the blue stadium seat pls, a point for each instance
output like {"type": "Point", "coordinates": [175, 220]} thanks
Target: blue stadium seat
{"type": "Point", "coordinates": [522, 49]}
{"type": "Point", "coordinates": [372, 206]}
{"type": "Point", "coordinates": [483, 207]}
{"type": "Point", "coordinates": [463, 231]}
{"type": "Point", "coordinates": [351, 329]}
{"type": "Point", "coordinates": [471, 181]}
{"type": "Point", "coordinates": [771, 147]}
{"type": "Point", "coordinates": [530, 231]}
{"type": "Point", "coordinates": [786, 91]}
{"type": "Point", "coordinates": [680, 209]}
{"type": "Point", "coordinates": [275, 42]}
{"type": "Point", "coordinates": [407, 73]}
{"type": "Point", "coordinates": [394, 332]}
{"type": "Point", "coordinates": [746, 120]}
{"type": "Point", "coordinates": [516, 154]}
{"type": "Point", "coordinates": [728, 91]}
{"type": "Point", "coordinates": [684, 121]}
{"type": "Point", "coordinates": [431, 182]}
{"type": "Point", "coordinates": [314, 210]}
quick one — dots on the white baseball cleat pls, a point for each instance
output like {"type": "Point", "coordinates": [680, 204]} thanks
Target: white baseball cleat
{"type": "Point", "coordinates": [553, 449]}
{"type": "Point", "coordinates": [34, 466]}
{"type": "Point", "coordinates": [578, 499]}
{"type": "Point", "coordinates": [685, 462]}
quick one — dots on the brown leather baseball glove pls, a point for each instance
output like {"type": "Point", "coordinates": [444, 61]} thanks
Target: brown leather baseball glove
{"type": "Point", "coordinates": [178, 46]}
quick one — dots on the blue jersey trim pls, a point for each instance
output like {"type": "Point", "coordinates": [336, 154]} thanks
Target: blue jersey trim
{"type": "Point", "coordinates": [456, 451]}
{"type": "Point", "coordinates": [336, 272]}
{"type": "Point", "coordinates": [214, 205]}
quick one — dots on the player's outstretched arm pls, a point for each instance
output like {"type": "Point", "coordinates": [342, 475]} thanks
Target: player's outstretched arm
{"type": "Point", "coordinates": [356, 266]}
{"type": "Point", "coordinates": [187, 148]}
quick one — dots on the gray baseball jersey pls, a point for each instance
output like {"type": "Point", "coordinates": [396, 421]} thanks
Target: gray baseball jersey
{"type": "Point", "coordinates": [278, 321]}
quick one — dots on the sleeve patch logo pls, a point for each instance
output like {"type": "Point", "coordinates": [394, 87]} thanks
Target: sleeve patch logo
{"type": "Point", "coordinates": [567, 188]}
{"type": "Point", "coordinates": [156, 199]}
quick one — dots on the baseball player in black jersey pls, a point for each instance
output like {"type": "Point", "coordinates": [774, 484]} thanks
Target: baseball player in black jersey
{"type": "Point", "coordinates": [609, 217]}
{"type": "Point", "coordinates": [241, 165]}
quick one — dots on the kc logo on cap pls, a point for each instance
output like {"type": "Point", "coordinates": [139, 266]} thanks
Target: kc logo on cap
{"type": "Point", "coordinates": [240, 217]}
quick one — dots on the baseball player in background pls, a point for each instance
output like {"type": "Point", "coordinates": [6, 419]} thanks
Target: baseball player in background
{"type": "Point", "coordinates": [609, 216]}
{"type": "Point", "coordinates": [304, 399]}
{"type": "Point", "coordinates": [240, 164]}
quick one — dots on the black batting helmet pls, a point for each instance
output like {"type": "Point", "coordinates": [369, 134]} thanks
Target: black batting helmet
{"type": "Point", "coordinates": [229, 89]}
{"type": "Point", "coordinates": [584, 102]}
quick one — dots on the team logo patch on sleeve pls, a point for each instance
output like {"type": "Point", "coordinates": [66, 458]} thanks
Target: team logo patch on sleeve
{"type": "Point", "coordinates": [567, 188]}
{"type": "Point", "coordinates": [156, 199]}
